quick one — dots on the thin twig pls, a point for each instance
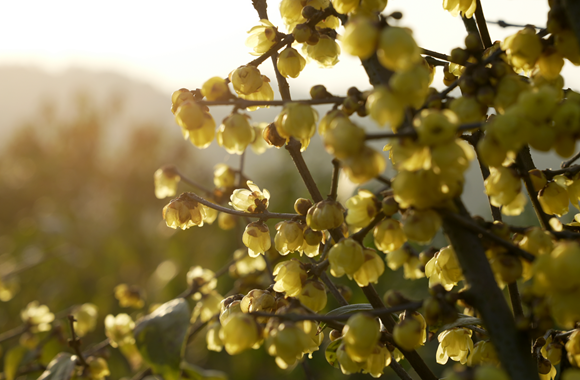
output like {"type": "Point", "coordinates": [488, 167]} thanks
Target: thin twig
{"type": "Point", "coordinates": [569, 162]}
{"type": "Point", "coordinates": [334, 179]}
{"type": "Point", "coordinates": [75, 342]}
{"type": "Point", "coordinates": [524, 164]}
{"type": "Point", "coordinates": [569, 171]}
{"type": "Point", "coordinates": [13, 333]}
{"type": "Point", "coordinates": [360, 235]}
{"type": "Point", "coordinates": [482, 26]}
{"type": "Point", "coordinates": [470, 225]}
{"type": "Point", "coordinates": [261, 215]}
{"type": "Point", "coordinates": [413, 132]}
{"type": "Point", "coordinates": [293, 147]}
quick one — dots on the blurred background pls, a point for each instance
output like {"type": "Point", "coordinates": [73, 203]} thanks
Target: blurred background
{"type": "Point", "coordinates": [85, 122]}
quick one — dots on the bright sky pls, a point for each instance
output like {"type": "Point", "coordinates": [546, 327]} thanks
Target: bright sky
{"type": "Point", "coordinates": [180, 43]}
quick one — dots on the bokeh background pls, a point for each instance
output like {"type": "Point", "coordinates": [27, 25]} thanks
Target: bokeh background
{"type": "Point", "coordinates": [85, 121]}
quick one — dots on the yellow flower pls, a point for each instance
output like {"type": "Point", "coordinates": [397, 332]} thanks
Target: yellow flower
{"type": "Point", "coordinates": [287, 343]}
{"type": "Point", "coordinates": [119, 329]}
{"type": "Point", "coordinates": [212, 337]}
{"type": "Point", "coordinates": [377, 361]}
{"type": "Point", "coordinates": [246, 79]}
{"type": "Point", "coordinates": [325, 52]}
{"type": "Point", "coordinates": [216, 88]}
{"type": "Point", "coordinates": [290, 63]}
{"type": "Point", "coordinates": [360, 335]}
{"type": "Point", "coordinates": [313, 295]}
{"type": "Point", "coordinates": [444, 269]}
{"type": "Point", "coordinates": [178, 97]}
{"type": "Point", "coordinates": [345, 257]}
{"type": "Point", "coordinates": [371, 269]}
{"type": "Point", "coordinates": [365, 165]}
{"type": "Point", "coordinates": [223, 176]}
{"type": "Point", "coordinates": [259, 145]}
{"type": "Point", "coordinates": [257, 300]}
{"type": "Point", "coordinates": [361, 209]}
{"type": "Point", "coordinates": [257, 238]}
{"type": "Point", "coordinates": [166, 179]}
{"type": "Point", "coordinates": [343, 138]}
{"type": "Point", "coordinates": [360, 37]}
{"type": "Point", "coordinates": [189, 116]}
{"type": "Point", "coordinates": [502, 186]}
{"type": "Point", "coordinates": [385, 107]}
{"type": "Point", "coordinates": [397, 49]}
{"type": "Point", "coordinates": [466, 7]}
{"type": "Point", "coordinates": [183, 212]}
{"type": "Point", "coordinates": [37, 316]}
{"type": "Point", "coordinates": [203, 279]}
{"type": "Point", "coordinates": [203, 136]}
{"type": "Point", "coordinates": [289, 238]}
{"type": "Point", "coordinates": [235, 133]}
{"type": "Point", "coordinates": [252, 200]}
{"type": "Point", "coordinates": [129, 296]}
{"type": "Point", "coordinates": [85, 318]}
{"type": "Point", "coordinates": [523, 48]}
{"type": "Point", "coordinates": [289, 277]}
{"type": "Point", "coordinates": [98, 368]}
{"type": "Point", "coordinates": [454, 344]}
{"type": "Point", "coordinates": [262, 37]}
{"type": "Point", "coordinates": [264, 93]}
{"type": "Point", "coordinates": [483, 353]}
{"type": "Point", "coordinates": [239, 332]}
{"type": "Point", "coordinates": [297, 120]}
{"type": "Point", "coordinates": [207, 306]}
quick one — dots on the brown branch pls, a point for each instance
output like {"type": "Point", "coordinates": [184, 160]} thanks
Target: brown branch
{"type": "Point", "coordinates": [261, 215]}
{"type": "Point", "coordinates": [293, 147]}
{"type": "Point", "coordinates": [413, 132]}
{"type": "Point", "coordinates": [243, 103]}
{"type": "Point", "coordinates": [569, 162]}
{"type": "Point", "coordinates": [468, 224]}
{"type": "Point", "coordinates": [487, 298]}
{"type": "Point", "coordinates": [524, 164]}
{"type": "Point", "coordinates": [75, 343]}
{"type": "Point", "coordinates": [334, 179]}
{"type": "Point", "coordinates": [360, 235]}
{"type": "Point", "coordinates": [568, 171]}
{"type": "Point", "coordinates": [482, 26]}
{"type": "Point", "coordinates": [13, 333]}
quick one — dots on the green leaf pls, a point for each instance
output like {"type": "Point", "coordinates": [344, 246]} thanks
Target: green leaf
{"type": "Point", "coordinates": [197, 373]}
{"type": "Point", "coordinates": [160, 335]}
{"type": "Point", "coordinates": [12, 361]}
{"type": "Point", "coordinates": [462, 321]}
{"type": "Point", "coordinates": [330, 353]}
{"type": "Point", "coordinates": [348, 309]}
{"type": "Point", "coordinates": [60, 368]}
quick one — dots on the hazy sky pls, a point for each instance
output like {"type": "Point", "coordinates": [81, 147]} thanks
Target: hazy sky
{"type": "Point", "coordinates": [180, 43]}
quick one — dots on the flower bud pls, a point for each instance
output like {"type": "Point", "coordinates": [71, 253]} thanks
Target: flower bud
{"type": "Point", "coordinates": [271, 136]}
{"type": "Point", "coordinates": [235, 133]}
{"type": "Point", "coordinates": [421, 225]}
{"type": "Point", "coordinates": [408, 333]}
{"type": "Point", "coordinates": [257, 300]}
{"type": "Point", "coordinates": [189, 115]}
{"type": "Point", "coordinates": [129, 296]}
{"type": "Point", "coordinates": [239, 332]}
{"type": "Point", "coordinates": [397, 49]}
{"type": "Point", "coordinates": [179, 97]}
{"type": "Point", "coordinates": [289, 277]}
{"type": "Point", "coordinates": [216, 88]}
{"type": "Point", "coordinates": [325, 52]}
{"type": "Point", "coordinates": [166, 179]}
{"type": "Point", "coordinates": [289, 238]}
{"type": "Point", "coordinates": [384, 107]}
{"type": "Point", "coordinates": [364, 166]}
{"type": "Point", "coordinates": [360, 37]}
{"type": "Point", "coordinates": [325, 215]}
{"type": "Point", "coordinates": [343, 138]}
{"type": "Point", "coordinates": [554, 199]}
{"type": "Point", "coordinates": [287, 342]}
{"type": "Point", "coordinates": [389, 235]}
{"type": "Point", "coordinates": [246, 79]}
{"type": "Point", "coordinates": [345, 257]}
{"type": "Point", "coordinates": [119, 329]}
{"type": "Point", "coordinates": [371, 269]}
{"type": "Point", "coordinates": [290, 63]}
{"type": "Point", "coordinates": [301, 33]}
{"type": "Point", "coordinates": [97, 368]}
{"type": "Point", "coordinates": [257, 238]}
{"type": "Point", "coordinates": [389, 206]}
{"type": "Point", "coordinates": [361, 209]}
{"type": "Point", "coordinates": [347, 365]}
{"type": "Point", "coordinates": [313, 295]}
{"type": "Point", "coordinates": [361, 334]}
{"type": "Point", "coordinates": [297, 120]}
{"type": "Point", "coordinates": [302, 205]}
